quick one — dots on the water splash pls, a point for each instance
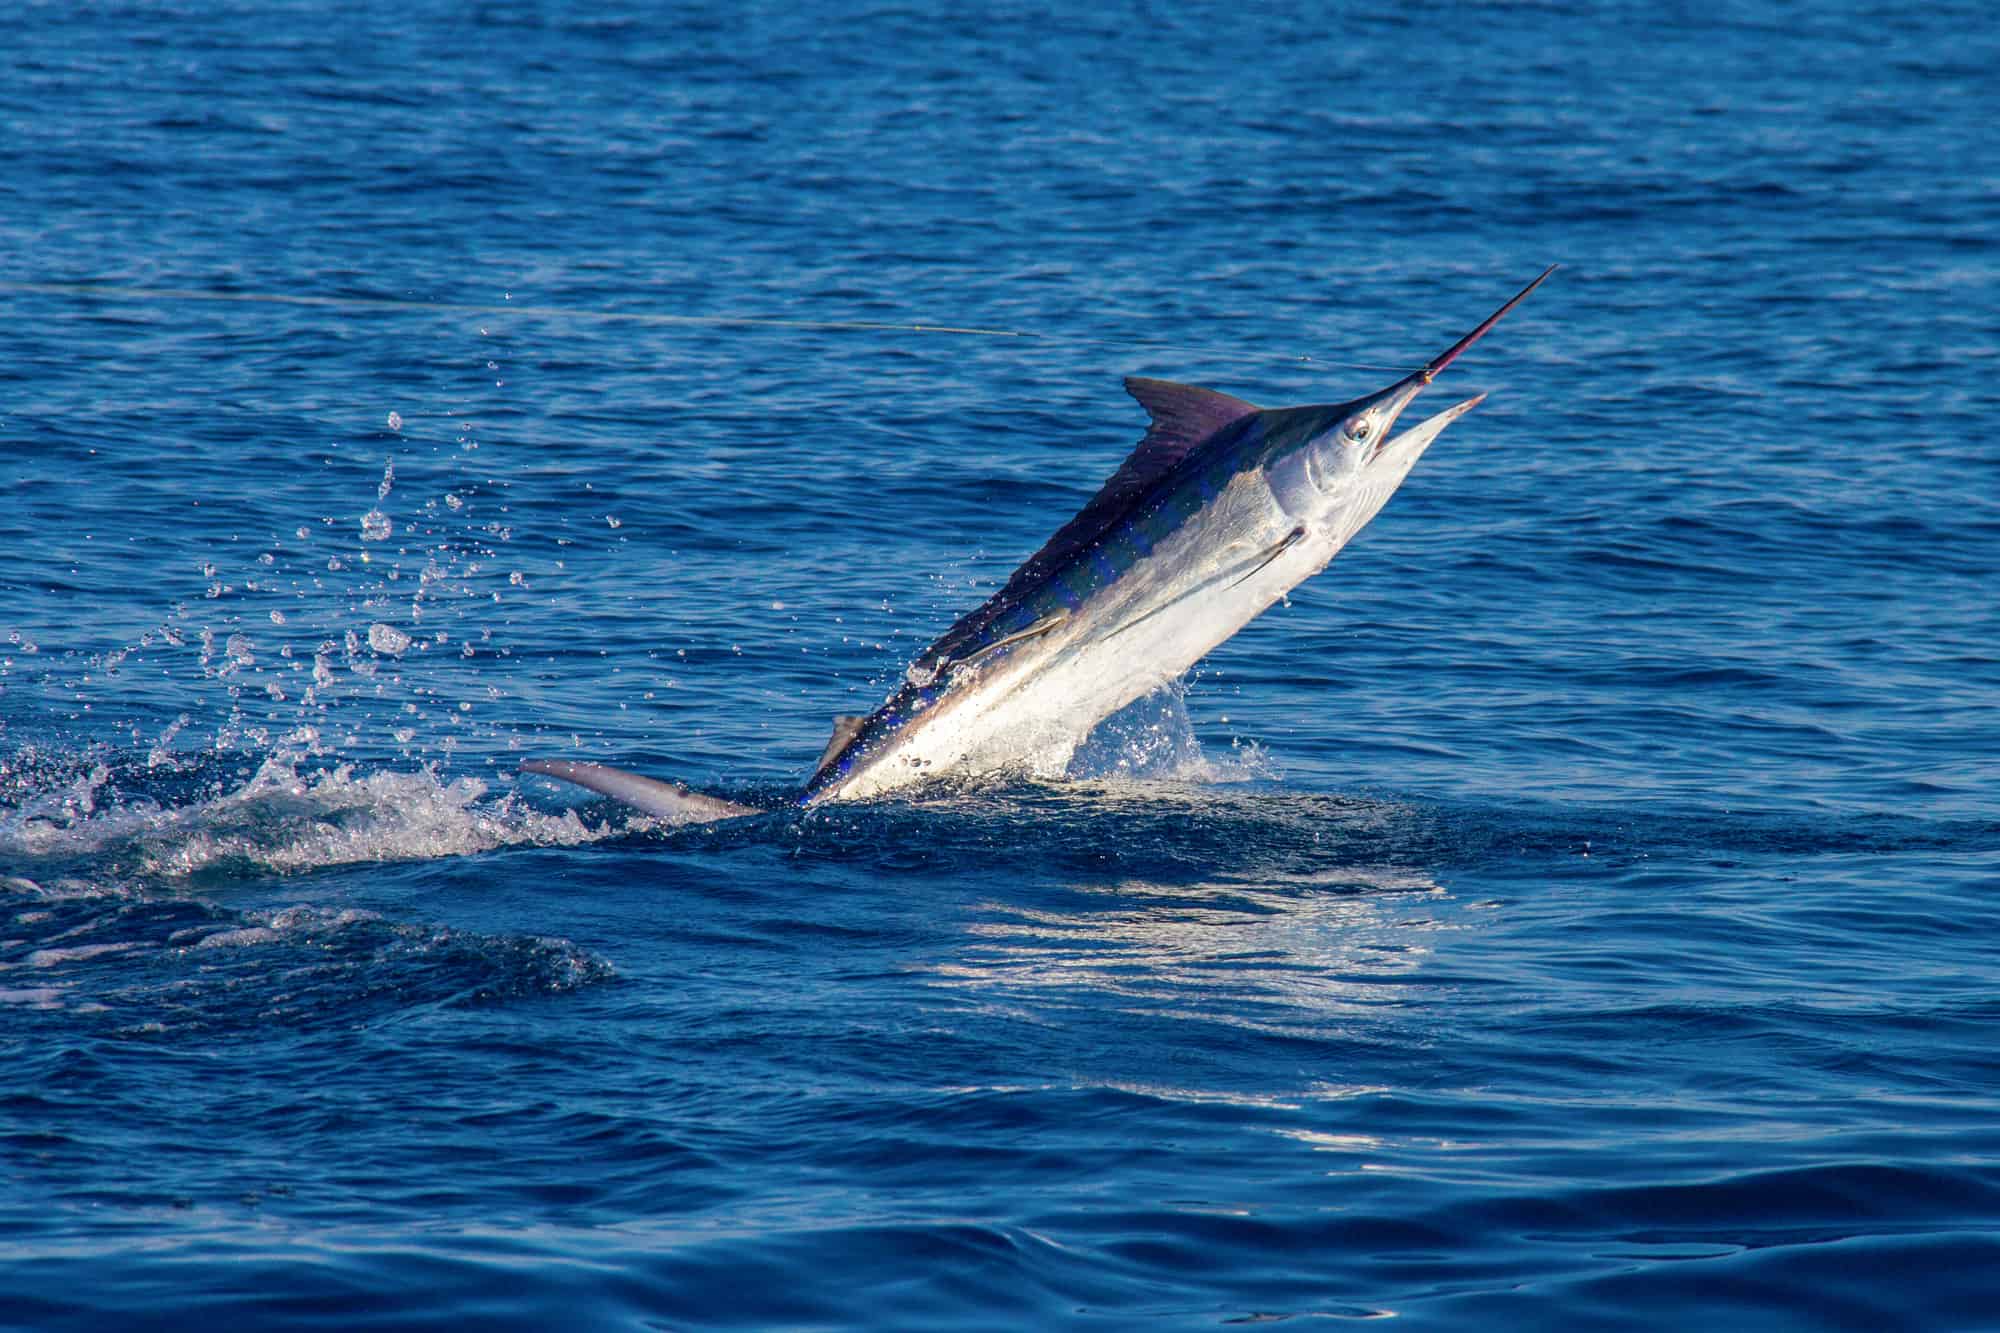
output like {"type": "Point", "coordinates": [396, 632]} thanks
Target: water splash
{"type": "Point", "coordinates": [379, 645]}
{"type": "Point", "coordinates": [1153, 739]}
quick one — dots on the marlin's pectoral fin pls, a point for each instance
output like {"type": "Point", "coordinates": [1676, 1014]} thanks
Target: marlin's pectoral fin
{"type": "Point", "coordinates": [1040, 627]}
{"type": "Point", "coordinates": [1291, 539]}
{"type": "Point", "coordinates": [665, 800]}
{"type": "Point", "coordinates": [845, 725]}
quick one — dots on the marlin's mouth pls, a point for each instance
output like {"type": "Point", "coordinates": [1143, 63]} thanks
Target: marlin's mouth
{"type": "Point", "coordinates": [1418, 437]}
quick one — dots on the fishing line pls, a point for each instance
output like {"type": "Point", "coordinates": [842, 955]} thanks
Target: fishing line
{"type": "Point", "coordinates": [109, 292]}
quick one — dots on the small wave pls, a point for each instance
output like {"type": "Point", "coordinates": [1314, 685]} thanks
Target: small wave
{"type": "Point", "coordinates": [152, 966]}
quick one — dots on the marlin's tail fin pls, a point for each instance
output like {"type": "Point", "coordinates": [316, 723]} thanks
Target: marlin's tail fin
{"type": "Point", "coordinates": [664, 800]}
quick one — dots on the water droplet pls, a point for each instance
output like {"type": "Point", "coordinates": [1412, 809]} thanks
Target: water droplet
{"type": "Point", "coordinates": [614, 520]}
{"type": "Point", "coordinates": [387, 639]}
{"type": "Point", "coordinates": [277, 617]}
{"type": "Point", "coordinates": [375, 526]}
{"type": "Point", "coordinates": [395, 421]}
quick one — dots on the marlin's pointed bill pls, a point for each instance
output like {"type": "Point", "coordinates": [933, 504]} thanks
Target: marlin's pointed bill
{"type": "Point", "coordinates": [1456, 349]}
{"type": "Point", "coordinates": [1221, 510]}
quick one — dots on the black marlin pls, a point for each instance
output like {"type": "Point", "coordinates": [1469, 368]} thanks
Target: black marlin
{"type": "Point", "coordinates": [1222, 509]}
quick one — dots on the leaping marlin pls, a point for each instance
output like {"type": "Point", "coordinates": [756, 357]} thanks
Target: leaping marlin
{"type": "Point", "coordinates": [1221, 510]}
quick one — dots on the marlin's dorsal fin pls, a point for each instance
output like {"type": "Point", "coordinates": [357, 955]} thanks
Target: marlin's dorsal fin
{"type": "Point", "coordinates": [845, 725]}
{"type": "Point", "coordinates": [1184, 416]}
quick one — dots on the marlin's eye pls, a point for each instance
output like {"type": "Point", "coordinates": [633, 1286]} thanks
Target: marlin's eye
{"type": "Point", "coordinates": [1358, 431]}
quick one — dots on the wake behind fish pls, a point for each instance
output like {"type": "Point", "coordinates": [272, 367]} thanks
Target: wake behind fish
{"type": "Point", "coordinates": [106, 817]}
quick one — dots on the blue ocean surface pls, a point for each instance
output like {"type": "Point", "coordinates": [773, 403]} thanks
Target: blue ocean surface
{"type": "Point", "coordinates": [1574, 909]}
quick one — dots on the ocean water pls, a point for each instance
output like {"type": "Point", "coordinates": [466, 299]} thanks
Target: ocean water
{"type": "Point", "coordinates": [1574, 909]}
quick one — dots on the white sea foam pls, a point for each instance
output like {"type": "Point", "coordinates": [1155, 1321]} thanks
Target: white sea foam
{"type": "Point", "coordinates": [33, 997]}
{"type": "Point", "coordinates": [286, 820]}
{"type": "Point", "coordinates": [275, 927]}
{"type": "Point", "coordinates": [74, 954]}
